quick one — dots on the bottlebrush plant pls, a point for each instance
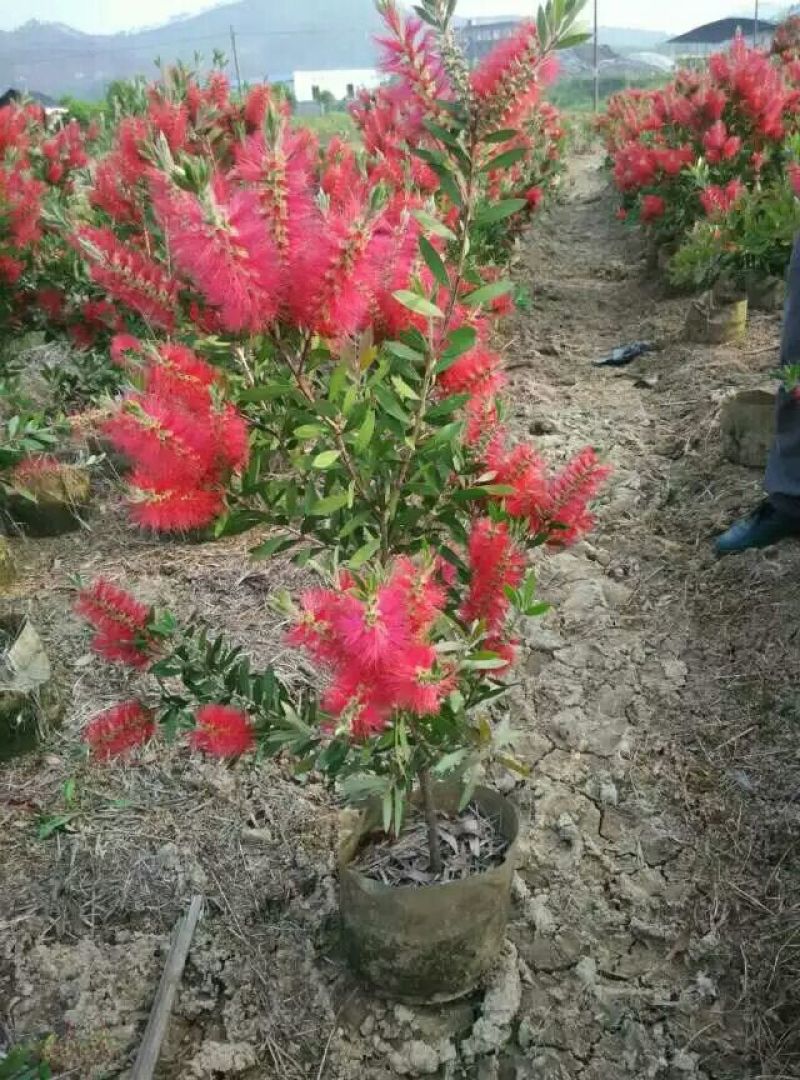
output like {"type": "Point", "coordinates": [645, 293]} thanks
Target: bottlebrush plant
{"type": "Point", "coordinates": [411, 654]}
{"type": "Point", "coordinates": [674, 150]}
{"type": "Point", "coordinates": [353, 327]}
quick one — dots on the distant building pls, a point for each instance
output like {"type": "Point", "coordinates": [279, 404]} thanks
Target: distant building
{"type": "Point", "coordinates": [714, 36]}
{"type": "Point", "coordinates": [342, 83]}
{"type": "Point", "coordinates": [479, 36]}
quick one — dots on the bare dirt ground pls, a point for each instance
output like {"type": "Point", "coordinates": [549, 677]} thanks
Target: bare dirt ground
{"type": "Point", "coordinates": [656, 922]}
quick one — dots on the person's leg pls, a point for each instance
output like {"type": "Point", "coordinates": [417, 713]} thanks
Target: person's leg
{"type": "Point", "coordinates": [778, 517]}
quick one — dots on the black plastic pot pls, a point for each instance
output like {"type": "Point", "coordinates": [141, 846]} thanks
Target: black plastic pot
{"type": "Point", "coordinates": [432, 942]}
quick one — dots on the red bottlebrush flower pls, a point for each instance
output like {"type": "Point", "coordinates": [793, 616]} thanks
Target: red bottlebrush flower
{"type": "Point", "coordinates": [522, 470]}
{"type": "Point", "coordinates": [225, 248]}
{"type": "Point", "coordinates": [121, 345]}
{"type": "Point", "coordinates": [11, 269]}
{"type": "Point", "coordinates": [119, 729]}
{"type": "Point", "coordinates": [34, 468]}
{"type": "Point", "coordinates": [333, 280]}
{"type": "Point", "coordinates": [232, 438]}
{"type": "Point", "coordinates": [170, 120]}
{"type": "Point", "coordinates": [511, 59]}
{"type": "Point", "coordinates": [653, 207]}
{"type": "Point", "coordinates": [218, 91]}
{"type": "Point", "coordinates": [494, 563]}
{"type": "Point", "coordinates": [164, 509]}
{"type": "Point", "coordinates": [534, 197]}
{"type": "Point", "coordinates": [719, 200]}
{"type": "Point", "coordinates": [130, 276]}
{"type": "Point", "coordinates": [255, 106]}
{"type": "Point", "coordinates": [410, 53]}
{"type": "Point", "coordinates": [111, 194]}
{"type": "Point", "coordinates": [121, 623]}
{"type": "Point", "coordinates": [282, 174]}
{"type": "Point", "coordinates": [222, 731]}
{"type": "Point", "coordinates": [570, 491]}
{"type": "Point", "coordinates": [477, 372]}
{"type": "Point", "coordinates": [179, 375]}
{"type": "Point", "coordinates": [165, 440]}
{"type": "Point", "coordinates": [52, 302]}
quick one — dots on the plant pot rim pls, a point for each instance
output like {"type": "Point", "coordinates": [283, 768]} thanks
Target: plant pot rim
{"type": "Point", "coordinates": [349, 846]}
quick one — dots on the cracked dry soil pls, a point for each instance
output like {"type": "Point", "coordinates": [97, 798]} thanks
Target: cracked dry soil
{"type": "Point", "coordinates": [655, 930]}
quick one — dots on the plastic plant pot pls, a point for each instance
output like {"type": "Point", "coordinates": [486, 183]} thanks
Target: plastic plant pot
{"type": "Point", "coordinates": [433, 942]}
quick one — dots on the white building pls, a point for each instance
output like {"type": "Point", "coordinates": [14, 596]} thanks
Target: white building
{"type": "Point", "coordinates": [341, 82]}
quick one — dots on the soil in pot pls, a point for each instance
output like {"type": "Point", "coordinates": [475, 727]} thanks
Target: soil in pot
{"type": "Point", "coordinates": [56, 495]}
{"type": "Point", "coordinates": [28, 704]}
{"type": "Point", "coordinates": [429, 939]}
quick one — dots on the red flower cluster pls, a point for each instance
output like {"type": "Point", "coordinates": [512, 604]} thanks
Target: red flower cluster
{"type": "Point", "coordinates": [554, 508]}
{"type": "Point", "coordinates": [719, 200]}
{"type": "Point", "coordinates": [120, 622]}
{"type": "Point", "coordinates": [733, 117]}
{"type": "Point", "coordinates": [377, 646]}
{"type": "Point", "coordinates": [495, 563]}
{"type": "Point", "coordinates": [119, 729]}
{"type": "Point", "coordinates": [183, 440]}
{"type": "Point", "coordinates": [222, 731]}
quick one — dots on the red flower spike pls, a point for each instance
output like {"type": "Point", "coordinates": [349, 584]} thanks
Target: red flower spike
{"type": "Point", "coordinates": [119, 729]}
{"type": "Point", "coordinates": [222, 731]}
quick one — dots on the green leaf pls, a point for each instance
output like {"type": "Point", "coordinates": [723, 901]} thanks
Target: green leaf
{"type": "Point", "coordinates": [390, 404]}
{"type": "Point", "coordinates": [272, 546]}
{"type": "Point", "coordinates": [498, 211]}
{"type": "Point", "coordinates": [433, 225]}
{"type": "Point", "coordinates": [418, 304]}
{"type": "Point", "coordinates": [434, 261]}
{"type": "Point", "coordinates": [405, 352]}
{"type": "Point", "coordinates": [50, 825]}
{"type": "Point", "coordinates": [310, 431]}
{"type": "Point", "coordinates": [330, 504]}
{"type": "Point", "coordinates": [403, 389]}
{"type": "Point", "coordinates": [326, 459]}
{"type": "Point", "coordinates": [269, 392]}
{"type": "Point", "coordinates": [447, 406]}
{"type": "Point", "coordinates": [570, 41]}
{"type": "Point", "coordinates": [366, 431]}
{"type": "Point", "coordinates": [337, 382]}
{"type": "Point", "coordinates": [489, 292]}
{"type": "Point", "coordinates": [461, 341]}
{"type": "Point", "coordinates": [364, 554]}
{"type": "Point", "coordinates": [504, 160]}
{"type": "Point", "coordinates": [501, 136]}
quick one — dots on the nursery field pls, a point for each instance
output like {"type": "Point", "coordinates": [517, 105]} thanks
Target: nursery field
{"type": "Point", "coordinates": [655, 928]}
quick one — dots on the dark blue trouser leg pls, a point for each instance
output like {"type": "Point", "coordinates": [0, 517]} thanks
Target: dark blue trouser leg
{"type": "Point", "coordinates": [782, 481]}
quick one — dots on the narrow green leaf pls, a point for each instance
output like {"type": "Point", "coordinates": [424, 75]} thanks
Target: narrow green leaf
{"type": "Point", "coordinates": [460, 342]}
{"type": "Point", "coordinates": [498, 211]}
{"type": "Point", "coordinates": [504, 135]}
{"type": "Point", "coordinates": [504, 160]}
{"type": "Point", "coordinates": [271, 547]}
{"type": "Point", "coordinates": [489, 292]}
{"type": "Point", "coordinates": [403, 389]}
{"type": "Point", "coordinates": [366, 431]}
{"type": "Point", "coordinates": [405, 352]}
{"type": "Point", "coordinates": [390, 404]}
{"type": "Point", "coordinates": [364, 554]}
{"type": "Point", "coordinates": [434, 261]}
{"type": "Point", "coordinates": [329, 505]}
{"type": "Point", "coordinates": [433, 225]}
{"type": "Point", "coordinates": [309, 431]}
{"type": "Point", "coordinates": [326, 459]}
{"type": "Point", "coordinates": [418, 304]}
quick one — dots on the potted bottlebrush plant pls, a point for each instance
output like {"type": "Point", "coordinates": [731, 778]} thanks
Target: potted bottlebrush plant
{"type": "Point", "coordinates": [357, 411]}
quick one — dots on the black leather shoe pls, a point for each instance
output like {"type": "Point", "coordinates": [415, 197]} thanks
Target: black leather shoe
{"type": "Point", "coordinates": [767, 525]}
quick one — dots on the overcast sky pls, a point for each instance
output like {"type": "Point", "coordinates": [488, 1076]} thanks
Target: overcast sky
{"type": "Point", "coordinates": [109, 16]}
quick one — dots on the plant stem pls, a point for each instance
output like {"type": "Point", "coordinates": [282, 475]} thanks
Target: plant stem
{"type": "Point", "coordinates": [434, 846]}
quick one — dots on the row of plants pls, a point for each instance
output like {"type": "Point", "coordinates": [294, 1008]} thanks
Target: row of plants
{"type": "Point", "coordinates": [707, 164]}
{"type": "Point", "coordinates": [309, 342]}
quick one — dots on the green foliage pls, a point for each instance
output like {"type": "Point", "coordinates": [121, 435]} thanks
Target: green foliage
{"type": "Point", "coordinates": [24, 1062]}
{"type": "Point", "coordinates": [752, 241]}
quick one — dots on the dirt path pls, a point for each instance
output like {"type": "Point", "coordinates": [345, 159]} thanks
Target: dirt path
{"type": "Point", "coordinates": [656, 927]}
